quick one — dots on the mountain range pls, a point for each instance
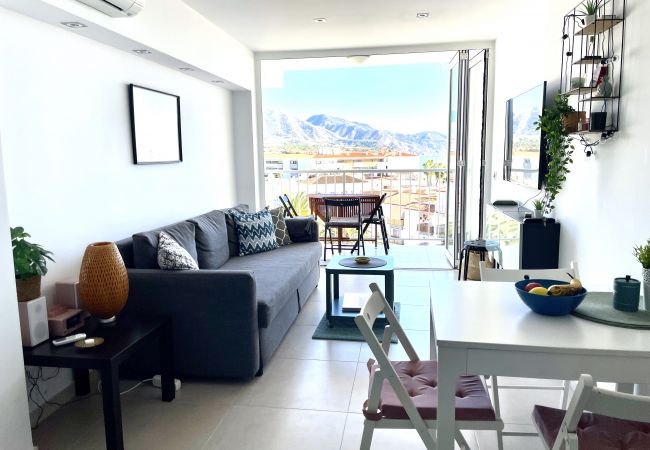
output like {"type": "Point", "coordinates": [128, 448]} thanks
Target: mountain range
{"type": "Point", "coordinates": [324, 129]}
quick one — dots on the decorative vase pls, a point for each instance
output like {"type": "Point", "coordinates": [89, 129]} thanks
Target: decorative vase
{"type": "Point", "coordinates": [646, 288]}
{"type": "Point", "coordinates": [103, 281]}
{"type": "Point", "coordinates": [28, 288]}
{"type": "Point", "coordinates": [538, 214]}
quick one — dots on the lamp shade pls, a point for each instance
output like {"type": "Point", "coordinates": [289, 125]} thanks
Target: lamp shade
{"type": "Point", "coordinates": [103, 281]}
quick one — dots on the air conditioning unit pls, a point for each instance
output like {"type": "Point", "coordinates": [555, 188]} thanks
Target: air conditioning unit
{"type": "Point", "coordinates": [116, 8]}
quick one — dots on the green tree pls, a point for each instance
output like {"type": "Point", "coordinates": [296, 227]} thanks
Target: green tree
{"type": "Point", "coordinates": [440, 176]}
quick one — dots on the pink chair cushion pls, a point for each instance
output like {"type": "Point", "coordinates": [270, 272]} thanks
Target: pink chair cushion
{"type": "Point", "coordinates": [595, 431]}
{"type": "Point", "coordinates": [420, 378]}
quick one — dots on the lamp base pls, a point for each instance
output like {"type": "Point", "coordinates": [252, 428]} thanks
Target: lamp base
{"type": "Point", "coordinates": [108, 321]}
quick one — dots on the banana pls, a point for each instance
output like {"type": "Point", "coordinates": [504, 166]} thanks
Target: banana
{"type": "Point", "coordinates": [563, 290]}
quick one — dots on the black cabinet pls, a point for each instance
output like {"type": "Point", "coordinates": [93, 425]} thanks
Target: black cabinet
{"type": "Point", "coordinates": [525, 243]}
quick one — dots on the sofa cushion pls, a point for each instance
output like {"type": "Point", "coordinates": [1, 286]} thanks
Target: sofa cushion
{"type": "Point", "coordinates": [171, 256]}
{"type": "Point", "coordinates": [255, 231]}
{"type": "Point", "coordinates": [231, 227]}
{"type": "Point", "coordinates": [278, 274]}
{"type": "Point", "coordinates": [211, 239]}
{"type": "Point", "coordinates": [145, 245]}
{"type": "Point", "coordinates": [281, 232]}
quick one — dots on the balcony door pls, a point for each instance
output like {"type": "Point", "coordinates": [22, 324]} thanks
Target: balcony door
{"type": "Point", "coordinates": [466, 153]}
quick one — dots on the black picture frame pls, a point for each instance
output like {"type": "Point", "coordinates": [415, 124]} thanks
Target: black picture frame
{"type": "Point", "coordinates": [155, 126]}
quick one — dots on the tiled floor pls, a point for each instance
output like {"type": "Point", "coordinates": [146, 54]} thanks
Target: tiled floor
{"type": "Point", "coordinates": [309, 397]}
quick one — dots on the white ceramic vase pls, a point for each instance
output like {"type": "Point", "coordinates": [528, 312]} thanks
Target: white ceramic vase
{"type": "Point", "coordinates": [589, 19]}
{"type": "Point", "coordinates": [646, 289]}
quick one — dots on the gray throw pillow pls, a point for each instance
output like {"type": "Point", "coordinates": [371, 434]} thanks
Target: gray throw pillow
{"type": "Point", "coordinates": [211, 239]}
{"type": "Point", "coordinates": [281, 232]}
{"type": "Point", "coordinates": [231, 227]}
{"type": "Point", "coordinates": [171, 256]}
{"type": "Point", "coordinates": [145, 245]}
{"type": "Point", "coordinates": [255, 231]}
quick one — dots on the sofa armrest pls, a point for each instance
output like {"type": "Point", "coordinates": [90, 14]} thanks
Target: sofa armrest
{"type": "Point", "coordinates": [302, 229]}
{"type": "Point", "coordinates": [214, 317]}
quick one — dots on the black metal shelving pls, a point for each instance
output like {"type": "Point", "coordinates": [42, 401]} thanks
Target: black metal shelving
{"type": "Point", "coordinates": [593, 46]}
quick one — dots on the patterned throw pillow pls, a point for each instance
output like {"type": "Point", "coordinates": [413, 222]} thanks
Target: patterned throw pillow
{"type": "Point", "coordinates": [255, 231]}
{"type": "Point", "coordinates": [171, 256]}
{"type": "Point", "coordinates": [281, 232]}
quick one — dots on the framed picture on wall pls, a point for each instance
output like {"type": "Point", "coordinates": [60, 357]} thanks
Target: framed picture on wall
{"type": "Point", "coordinates": [155, 126]}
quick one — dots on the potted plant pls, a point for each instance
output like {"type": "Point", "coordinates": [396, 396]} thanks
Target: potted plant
{"type": "Point", "coordinates": [538, 209]}
{"type": "Point", "coordinates": [558, 148]}
{"type": "Point", "coordinates": [30, 263]}
{"type": "Point", "coordinates": [589, 9]}
{"type": "Point", "coordinates": [642, 254]}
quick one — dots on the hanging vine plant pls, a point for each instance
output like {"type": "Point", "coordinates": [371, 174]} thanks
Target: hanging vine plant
{"type": "Point", "coordinates": [559, 149]}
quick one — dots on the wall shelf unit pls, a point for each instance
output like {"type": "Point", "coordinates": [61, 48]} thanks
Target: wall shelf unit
{"type": "Point", "coordinates": [592, 68]}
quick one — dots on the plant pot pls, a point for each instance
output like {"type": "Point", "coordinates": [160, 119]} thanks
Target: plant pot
{"type": "Point", "coordinates": [28, 288]}
{"type": "Point", "coordinates": [646, 289]}
{"type": "Point", "coordinates": [570, 121]}
{"type": "Point", "coordinates": [589, 19]}
{"type": "Point", "coordinates": [538, 214]}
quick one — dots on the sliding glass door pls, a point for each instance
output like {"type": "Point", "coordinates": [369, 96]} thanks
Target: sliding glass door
{"type": "Point", "coordinates": [466, 164]}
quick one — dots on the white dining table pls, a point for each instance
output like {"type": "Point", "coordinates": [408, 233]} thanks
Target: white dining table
{"type": "Point", "coordinates": [484, 328]}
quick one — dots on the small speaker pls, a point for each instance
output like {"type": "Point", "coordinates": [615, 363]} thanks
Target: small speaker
{"type": "Point", "coordinates": [33, 321]}
{"type": "Point", "coordinates": [67, 294]}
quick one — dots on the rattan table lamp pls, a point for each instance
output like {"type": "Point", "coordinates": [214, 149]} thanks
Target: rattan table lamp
{"type": "Point", "coordinates": [103, 281]}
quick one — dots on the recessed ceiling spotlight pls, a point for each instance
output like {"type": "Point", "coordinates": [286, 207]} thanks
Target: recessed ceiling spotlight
{"type": "Point", "coordinates": [358, 59]}
{"type": "Point", "coordinates": [141, 51]}
{"type": "Point", "coordinates": [320, 19]}
{"type": "Point", "coordinates": [74, 24]}
{"type": "Point", "coordinates": [186, 69]}
{"type": "Point", "coordinates": [422, 15]}
{"type": "Point", "coordinates": [216, 81]}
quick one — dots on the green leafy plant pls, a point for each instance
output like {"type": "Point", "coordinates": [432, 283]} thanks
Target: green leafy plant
{"type": "Point", "coordinates": [538, 205]}
{"type": "Point", "coordinates": [642, 254]}
{"type": "Point", "coordinates": [559, 149]}
{"type": "Point", "coordinates": [29, 259]}
{"type": "Point", "coordinates": [590, 7]}
{"type": "Point", "coordinates": [301, 203]}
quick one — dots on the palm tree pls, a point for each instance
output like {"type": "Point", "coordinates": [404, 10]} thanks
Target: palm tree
{"type": "Point", "coordinates": [301, 203]}
{"type": "Point", "coordinates": [438, 175]}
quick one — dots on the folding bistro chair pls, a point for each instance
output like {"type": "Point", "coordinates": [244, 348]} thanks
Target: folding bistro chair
{"type": "Point", "coordinates": [376, 218]}
{"type": "Point", "coordinates": [513, 275]}
{"type": "Point", "coordinates": [403, 394]}
{"type": "Point", "coordinates": [615, 420]}
{"type": "Point", "coordinates": [289, 210]}
{"type": "Point", "coordinates": [343, 214]}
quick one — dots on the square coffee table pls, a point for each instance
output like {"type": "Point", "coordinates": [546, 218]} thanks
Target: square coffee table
{"type": "Point", "coordinates": [121, 340]}
{"type": "Point", "coordinates": [334, 299]}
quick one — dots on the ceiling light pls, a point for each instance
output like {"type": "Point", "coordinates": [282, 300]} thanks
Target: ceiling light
{"type": "Point", "coordinates": [320, 19]}
{"type": "Point", "coordinates": [141, 51]}
{"type": "Point", "coordinates": [186, 69]}
{"type": "Point", "coordinates": [422, 15]}
{"type": "Point", "coordinates": [74, 24]}
{"type": "Point", "coordinates": [358, 59]}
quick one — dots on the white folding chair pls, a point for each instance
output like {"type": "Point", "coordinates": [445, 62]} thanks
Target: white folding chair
{"type": "Point", "coordinates": [510, 275]}
{"type": "Point", "coordinates": [615, 420]}
{"type": "Point", "coordinates": [391, 405]}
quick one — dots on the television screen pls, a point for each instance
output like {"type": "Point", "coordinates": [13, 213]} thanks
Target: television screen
{"type": "Point", "coordinates": [525, 159]}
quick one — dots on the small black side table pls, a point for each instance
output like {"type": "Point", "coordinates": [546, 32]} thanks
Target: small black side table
{"type": "Point", "coordinates": [121, 340]}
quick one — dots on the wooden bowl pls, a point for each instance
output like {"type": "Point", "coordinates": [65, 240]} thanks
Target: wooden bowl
{"type": "Point", "coordinates": [362, 260]}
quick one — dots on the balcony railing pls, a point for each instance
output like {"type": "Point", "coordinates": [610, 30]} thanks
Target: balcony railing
{"type": "Point", "coordinates": [415, 205]}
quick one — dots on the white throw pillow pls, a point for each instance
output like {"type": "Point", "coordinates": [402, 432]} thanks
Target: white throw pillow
{"type": "Point", "coordinates": [171, 256]}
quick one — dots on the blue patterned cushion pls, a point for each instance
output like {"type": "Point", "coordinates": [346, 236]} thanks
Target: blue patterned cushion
{"type": "Point", "coordinates": [255, 231]}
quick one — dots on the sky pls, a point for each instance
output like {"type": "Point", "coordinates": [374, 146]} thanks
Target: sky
{"type": "Point", "coordinates": [404, 98]}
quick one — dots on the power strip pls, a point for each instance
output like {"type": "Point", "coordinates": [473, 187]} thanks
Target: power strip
{"type": "Point", "coordinates": [156, 381]}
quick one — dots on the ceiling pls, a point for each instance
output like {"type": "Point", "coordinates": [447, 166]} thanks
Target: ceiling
{"type": "Point", "coordinates": [285, 25]}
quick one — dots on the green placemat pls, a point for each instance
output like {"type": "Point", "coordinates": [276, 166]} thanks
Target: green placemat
{"type": "Point", "coordinates": [350, 332]}
{"type": "Point", "coordinates": [598, 307]}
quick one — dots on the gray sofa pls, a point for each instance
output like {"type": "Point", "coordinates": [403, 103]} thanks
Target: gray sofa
{"type": "Point", "coordinates": [230, 316]}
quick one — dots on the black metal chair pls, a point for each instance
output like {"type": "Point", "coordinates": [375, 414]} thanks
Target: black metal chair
{"type": "Point", "coordinates": [343, 214]}
{"type": "Point", "coordinates": [376, 218]}
{"type": "Point", "coordinates": [289, 210]}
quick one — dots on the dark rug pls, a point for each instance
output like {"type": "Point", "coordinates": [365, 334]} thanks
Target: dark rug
{"type": "Point", "coordinates": [350, 332]}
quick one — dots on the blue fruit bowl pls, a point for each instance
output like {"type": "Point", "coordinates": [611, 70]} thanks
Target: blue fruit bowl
{"type": "Point", "coordinates": [549, 305]}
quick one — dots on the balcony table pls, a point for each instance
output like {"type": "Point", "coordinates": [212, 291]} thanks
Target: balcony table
{"type": "Point", "coordinates": [484, 328]}
{"type": "Point", "coordinates": [317, 205]}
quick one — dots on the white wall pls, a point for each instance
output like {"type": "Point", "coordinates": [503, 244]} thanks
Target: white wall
{"type": "Point", "coordinates": [69, 170]}
{"type": "Point", "coordinates": [14, 421]}
{"type": "Point", "coordinates": [604, 207]}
